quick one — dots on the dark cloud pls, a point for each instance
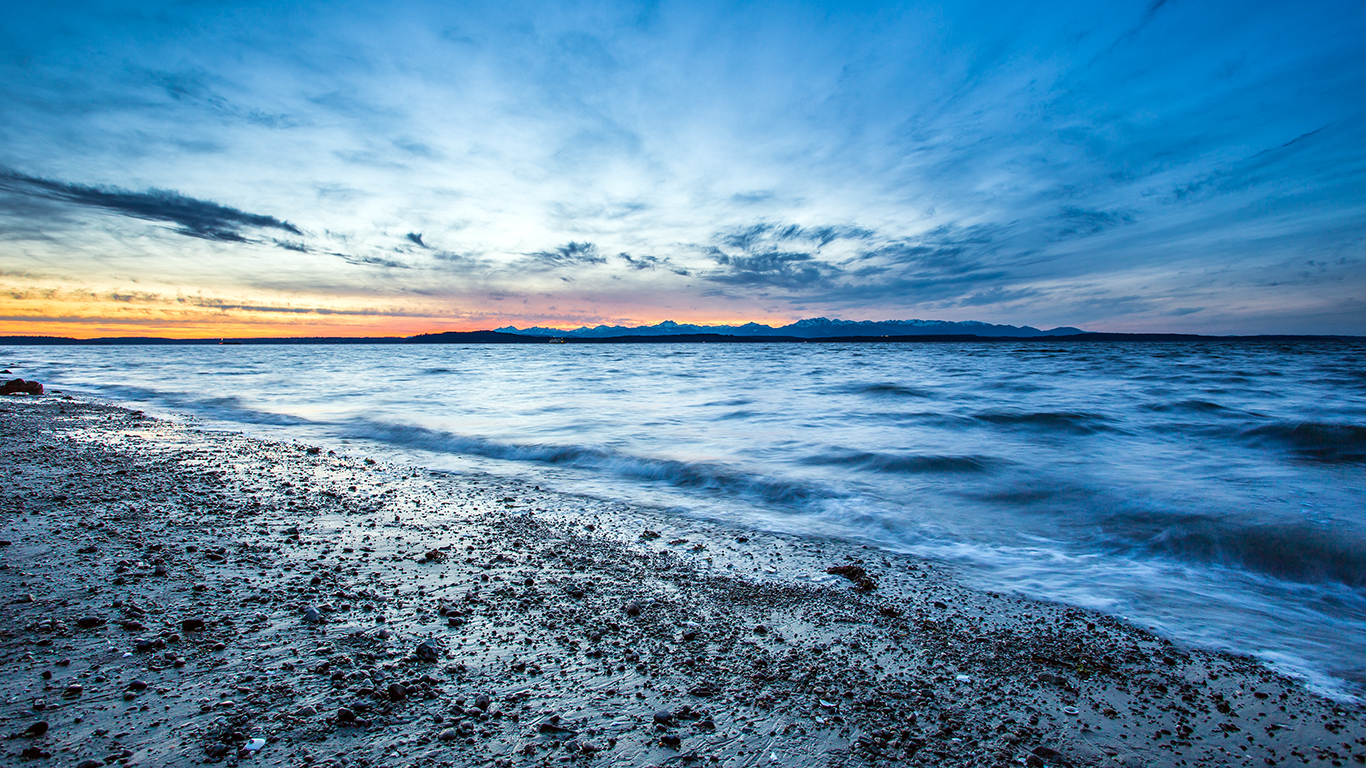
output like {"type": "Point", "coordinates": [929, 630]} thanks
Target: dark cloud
{"type": "Point", "coordinates": [190, 89]}
{"type": "Point", "coordinates": [570, 254]}
{"type": "Point", "coordinates": [195, 218]}
{"type": "Point", "coordinates": [416, 238]}
{"type": "Point", "coordinates": [1080, 222]}
{"type": "Point", "coordinates": [647, 262]}
{"type": "Point", "coordinates": [292, 246]}
{"type": "Point", "coordinates": [371, 261]}
{"type": "Point", "coordinates": [765, 254]}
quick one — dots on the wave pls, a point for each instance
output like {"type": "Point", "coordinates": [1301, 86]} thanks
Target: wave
{"type": "Point", "coordinates": [905, 465]}
{"type": "Point", "coordinates": [1073, 422]}
{"type": "Point", "coordinates": [1294, 552]}
{"type": "Point", "coordinates": [1186, 406]}
{"type": "Point", "coordinates": [886, 389]}
{"type": "Point", "coordinates": [224, 408]}
{"type": "Point", "coordinates": [684, 474]}
{"type": "Point", "coordinates": [1316, 441]}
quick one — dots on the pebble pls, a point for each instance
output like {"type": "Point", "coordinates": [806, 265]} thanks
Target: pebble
{"type": "Point", "coordinates": [428, 650]}
{"type": "Point", "coordinates": [449, 734]}
{"type": "Point", "coordinates": [37, 729]}
{"type": "Point", "coordinates": [345, 715]}
{"type": "Point", "coordinates": [312, 615]}
{"type": "Point", "coordinates": [192, 625]}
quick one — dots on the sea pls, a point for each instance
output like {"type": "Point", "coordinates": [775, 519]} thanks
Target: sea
{"type": "Point", "coordinates": [1211, 491]}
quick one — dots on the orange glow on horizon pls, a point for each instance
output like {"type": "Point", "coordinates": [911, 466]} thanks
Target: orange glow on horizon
{"type": "Point", "coordinates": [81, 323]}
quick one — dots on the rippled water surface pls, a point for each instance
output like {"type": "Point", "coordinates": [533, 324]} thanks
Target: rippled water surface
{"type": "Point", "coordinates": [1213, 490]}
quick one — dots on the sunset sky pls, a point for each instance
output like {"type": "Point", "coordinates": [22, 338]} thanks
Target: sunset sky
{"type": "Point", "coordinates": [355, 168]}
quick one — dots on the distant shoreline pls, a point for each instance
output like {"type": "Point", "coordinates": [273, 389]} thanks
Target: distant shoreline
{"type": "Point", "coordinates": [498, 337]}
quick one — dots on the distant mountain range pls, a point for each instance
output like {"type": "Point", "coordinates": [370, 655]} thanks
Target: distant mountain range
{"type": "Point", "coordinates": [813, 328]}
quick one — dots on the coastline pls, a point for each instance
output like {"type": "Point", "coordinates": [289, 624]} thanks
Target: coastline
{"type": "Point", "coordinates": [540, 627]}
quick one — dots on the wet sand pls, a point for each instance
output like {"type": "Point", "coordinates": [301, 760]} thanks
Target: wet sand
{"type": "Point", "coordinates": [172, 594]}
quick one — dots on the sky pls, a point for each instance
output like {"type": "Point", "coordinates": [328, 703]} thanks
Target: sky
{"type": "Point", "coordinates": [350, 168]}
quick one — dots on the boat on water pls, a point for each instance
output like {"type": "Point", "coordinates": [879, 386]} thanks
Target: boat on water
{"type": "Point", "coordinates": [557, 340]}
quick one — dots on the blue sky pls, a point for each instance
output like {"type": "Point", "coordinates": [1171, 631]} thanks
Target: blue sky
{"type": "Point", "coordinates": [203, 167]}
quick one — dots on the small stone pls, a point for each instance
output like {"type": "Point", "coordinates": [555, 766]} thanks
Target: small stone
{"type": "Point", "coordinates": [482, 702]}
{"type": "Point", "coordinates": [632, 609]}
{"type": "Point", "coordinates": [305, 711]}
{"type": "Point", "coordinates": [192, 625]}
{"type": "Point", "coordinates": [88, 763]}
{"type": "Point", "coordinates": [137, 685]}
{"type": "Point", "coordinates": [345, 715]}
{"type": "Point", "coordinates": [312, 615]}
{"type": "Point", "coordinates": [663, 717]}
{"type": "Point", "coordinates": [89, 622]}
{"type": "Point", "coordinates": [428, 650]}
{"type": "Point", "coordinates": [72, 691]}
{"type": "Point", "coordinates": [37, 729]}
{"type": "Point", "coordinates": [397, 692]}
{"type": "Point", "coordinates": [449, 734]}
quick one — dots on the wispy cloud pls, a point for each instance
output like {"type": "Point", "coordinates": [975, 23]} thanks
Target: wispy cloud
{"type": "Point", "coordinates": [571, 254]}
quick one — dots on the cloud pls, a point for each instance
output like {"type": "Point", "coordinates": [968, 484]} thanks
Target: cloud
{"type": "Point", "coordinates": [570, 254]}
{"type": "Point", "coordinates": [195, 218]}
{"type": "Point", "coordinates": [416, 238]}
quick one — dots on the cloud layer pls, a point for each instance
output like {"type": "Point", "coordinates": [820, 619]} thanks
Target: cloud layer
{"type": "Point", "coordinates": [1138, 166]}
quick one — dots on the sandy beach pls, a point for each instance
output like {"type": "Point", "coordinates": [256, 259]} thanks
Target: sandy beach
{"type": "Point", "coordinates": [174, 596]}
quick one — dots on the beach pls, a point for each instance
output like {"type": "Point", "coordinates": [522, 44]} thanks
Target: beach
{"type": "Point", "coordinates": [176, 595]}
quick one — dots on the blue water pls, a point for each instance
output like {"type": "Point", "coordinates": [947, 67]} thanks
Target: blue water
{"type": "Point", "coordinates": [1215, 491]}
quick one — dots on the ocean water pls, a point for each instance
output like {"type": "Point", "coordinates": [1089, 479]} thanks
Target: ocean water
{"type": "Point", "coordinates": [1213, 491]}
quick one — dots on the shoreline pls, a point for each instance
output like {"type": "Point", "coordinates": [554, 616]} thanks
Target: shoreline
{"type": "Point", "coordinates": [174, 571]}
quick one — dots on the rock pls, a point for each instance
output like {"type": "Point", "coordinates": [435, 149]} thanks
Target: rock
{"type": "Point", "coordinates": [345, 715]}
{"type": "Point", "coordinates": [663, 717]}
{"type": "Point", "coordinates": [216, 751]}
{"type": "Point", "coordinates": [1049, 755]}
{"type": "Point", "coordinates": [482, 702]}
{"type": "Point", "coordinates": [305, 711]}
{"type": "Point", "coordinates": [89, 622]}
{"type": "Point", "coordinates": [312, 615]}
{"type": "Point", "coordinates": [37, 729]}
{"type": "Point", "coordinates": [72, 691]}
{"type": "Point", "coordinates": [137, 685]}
{"type": "Point", "coordinates": [670, 740]}
{"type": "Point", "coordinates": [21, 387]}
{"type": "Point", "coordinates": [88, 763]}
{"type": "Point", "coordinates": [428, 650]}
{"type": "Point", "coordinates": [397, 692]}
{"type": "Point", "coordinates": [855, 573]}
{"type": "Point", "coordinates": [192, 625]}
{"type": "Point", "coordinates": [632, 609]}
{"type": "Point", "coordinates": [449, 734]}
